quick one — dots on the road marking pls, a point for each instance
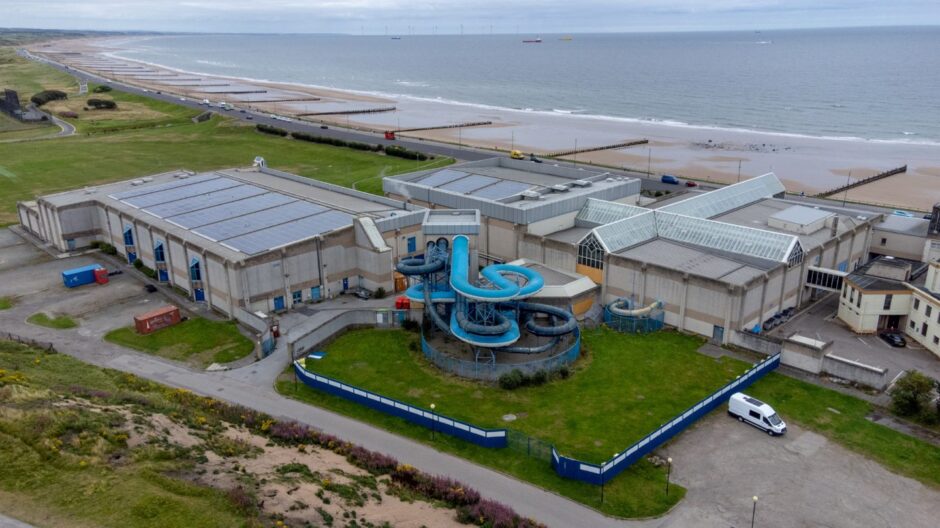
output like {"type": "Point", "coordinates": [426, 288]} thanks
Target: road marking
{"type": "Point", "coordinates": [863, 342]}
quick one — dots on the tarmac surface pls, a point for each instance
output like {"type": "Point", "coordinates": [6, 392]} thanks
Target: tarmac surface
{"type": "Point", "coordinates": [802, 479]}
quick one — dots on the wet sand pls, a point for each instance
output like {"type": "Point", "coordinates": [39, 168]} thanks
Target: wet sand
{"type": "Point", "coordinates": [805, 164]}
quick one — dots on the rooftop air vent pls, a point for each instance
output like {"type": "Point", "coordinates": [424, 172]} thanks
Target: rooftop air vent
{"type": "Point", "coordinates": [581, 183]}
{"type": "Point", "coordinates": [531, 195]}
{"type": "Point", "coordinates": [136, 182]}
{"type": "Point", "coordinates": [147, 179]}
{"type": "Point", "coordinates": [560, 188]}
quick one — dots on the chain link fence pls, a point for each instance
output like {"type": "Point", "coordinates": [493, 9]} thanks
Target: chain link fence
{"type": "Point", "coordinates": [529, 445]}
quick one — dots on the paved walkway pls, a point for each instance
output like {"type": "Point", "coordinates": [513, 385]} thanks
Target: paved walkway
{"type": "Point", "coordinates": [9, 522]}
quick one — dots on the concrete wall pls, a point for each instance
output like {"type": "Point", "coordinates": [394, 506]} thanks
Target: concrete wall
{"type": "Point", "coordinates": [758, 343]}
{"type": "Point", "coordinates": [897, 245]}
{"type": "Point", "coordinates": [306, 337]}
{"type": "Point", "coordinates": [847, 369]}
{"type": "Point", "coordinates": [919, 320]}
{"type": "Point", "coordinates": [552, 225]}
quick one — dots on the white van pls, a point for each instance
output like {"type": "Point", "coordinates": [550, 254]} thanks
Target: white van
{"type": "Point", "coordinates": [756, 413]}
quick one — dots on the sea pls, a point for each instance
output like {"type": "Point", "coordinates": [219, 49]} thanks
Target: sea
{"type": "Point", "coordinates": [866, 83]}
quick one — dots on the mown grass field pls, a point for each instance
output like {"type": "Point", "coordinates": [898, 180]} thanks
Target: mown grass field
{"type": "Point", "coordinates": [11, 129]}
{"type": "Point", "coordinates": [625, 387]}
{"type": "Point", "coordinates": [198, 341]}
{"type": "Point", "coordinates": [29, 78]}
{"type": "Point", "coordinates": [145, 136]}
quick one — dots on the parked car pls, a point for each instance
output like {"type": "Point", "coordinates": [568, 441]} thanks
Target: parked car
{"type": "Point", "coordinates": [670, 179]}
{"type": "Point", "coordinates": [690, 183]}
{"type": "Point", "coordinates": [150, 288]}
{"type": "Point", "coordinates": [249, 117]}
{"type": "Point", "coordinates": [324, 127]}
{"type": "Point", "coordinates": [756, 413]}
{"type": "Point", "coordinates": [894, 339]}
{"type": "Point", "coordinates": [363, 294]}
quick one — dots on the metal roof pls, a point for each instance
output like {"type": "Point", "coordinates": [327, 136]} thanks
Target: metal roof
{"type": "Point", "coordinates": [710, 204]}
{"type": "Point", "coordinates": [802, 215]}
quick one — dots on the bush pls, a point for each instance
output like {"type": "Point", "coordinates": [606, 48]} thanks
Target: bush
{"type": "Point", "coordinates": [411, 325]}
{"type": "Point", "coordinates": [911, 394]}
{"type": "Point", "coordinates": [68, 114]}
{"type": "Point", "coordinates": [102, 104]}
{"type": "Point", "coordinates": [401, 152]}
{"type": "Point", "coordinates": [380, 293]}
{"type": "Point", "coordinates": [104, 88]}
{"type": "Point", "coordinates": [324, 140]}
{"type": "Point", "coordinates": [273, 130]}
{"type": "Point", "coordinates": [45, 96]}
{"type": "Point", "coordinates": [512, 380]}
{"type": "Point", "coordinates": [138, 263]}
{"type": "Point", "coordinates": [516, 378]}
{"type": "Point", "coordinates": [105, 248]}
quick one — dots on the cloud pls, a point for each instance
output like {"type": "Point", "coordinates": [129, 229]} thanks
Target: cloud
{"type": "Point", "coordinates": [424, 15]}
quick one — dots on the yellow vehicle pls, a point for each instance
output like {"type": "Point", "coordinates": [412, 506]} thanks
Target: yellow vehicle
{"type": "Point", "coordinates": [516, 154]}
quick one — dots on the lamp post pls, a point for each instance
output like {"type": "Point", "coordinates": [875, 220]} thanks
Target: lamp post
{"type": "Point", "coordinates": [668, 473]}
{"type": "Point", "coordinates": [754, 511]}
{"type": "Point", "coordinates": [434, 421]}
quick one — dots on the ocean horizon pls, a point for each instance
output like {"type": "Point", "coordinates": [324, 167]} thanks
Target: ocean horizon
{"type": "Point", "coordinates": [874, 84]}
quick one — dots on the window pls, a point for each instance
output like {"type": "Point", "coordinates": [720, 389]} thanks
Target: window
{"type": "Point", "coordinates": [297, 297]}
{"type": "Point", "coordinates": [591, 253]}
{"type": "Point", "coordinates": [888, 299]}
{"type": "Point", "coordinates": [195, 270]}
{"type": "Point", "coordinates": [884, 241]}
{"type": "Point", "coordinates": [928, 310]}
{"type": "Point", "coordinates": [754, 414]}
{"type": "Point", "coordinates": [912, 324]}
{"type": "Point", "coordinates": [851, 295]}
{"type": "Point", "coordinates": [917, 304]}
{"type": "Point", "coordinates": [412, 244]}
{"type": "Point", "coordinates": [158, 254]}
{"type": "Point", "coordinates": [128, 236]}
{"type": "Point", "coordinates": [858, 302]}
{"type": "Point", "coordinates": [845, 291]}
{"type": "Point", "coordinates": [923, 329]}
{"type": "Point", "coordinates": [936, 340]}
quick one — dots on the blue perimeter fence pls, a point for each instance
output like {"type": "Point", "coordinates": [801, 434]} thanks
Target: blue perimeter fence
{"type": "Point", "coordinates": [494, 438]}
{"type": "Point", "coordinates": [492, 371]}
{"type": "Point", "coordinates": [600, 474]}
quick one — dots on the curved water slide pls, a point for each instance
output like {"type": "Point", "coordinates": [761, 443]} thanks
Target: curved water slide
{"type": "Point", "coordinates": [621, 307]}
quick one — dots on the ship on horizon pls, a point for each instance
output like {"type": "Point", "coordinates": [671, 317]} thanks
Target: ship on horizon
{"type": "Point", "coordinates": [536, 40]}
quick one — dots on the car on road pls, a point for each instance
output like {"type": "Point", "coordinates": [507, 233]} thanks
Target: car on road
{"type": "Point", "coordinates": [249, 117]}
{"type": "Point", "coordinates": [670, 179]}
{"type": "Point", "coordinates": [324, 127]}
{"type": "Point", "coordinates": [894, 339]}
{"type": "Point", "coordinates": [690, 183]}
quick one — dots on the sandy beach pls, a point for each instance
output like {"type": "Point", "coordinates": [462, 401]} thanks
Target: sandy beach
{"type": "Point", "coordinates": [805, 164]}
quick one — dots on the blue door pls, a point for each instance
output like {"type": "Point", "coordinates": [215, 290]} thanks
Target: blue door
{"type": "Point", "coordinates": [131, 257]}
{"type": "Point", "coordinates": [345, 283]}
{"type": "Point", "coordinates": [315, 293]}
{"type": "Point", "coordinates": [199, 294]}
{"type": "Point", "coordinates": [278, 303]}
{"type": "Point", "coordinates": [412, 245]}
{"type": "Point", "coordinates": [163, 276]}
{"type": "Point", "coordinates": [71, 244]}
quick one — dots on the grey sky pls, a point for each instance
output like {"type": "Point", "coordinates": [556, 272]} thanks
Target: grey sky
{"type": "Point", "coordinates": [476, 16]}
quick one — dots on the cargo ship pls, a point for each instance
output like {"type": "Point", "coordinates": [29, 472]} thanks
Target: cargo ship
{"type": "Point", "coordinates": [536, 40]}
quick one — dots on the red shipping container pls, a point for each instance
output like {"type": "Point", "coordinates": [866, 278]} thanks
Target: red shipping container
{"type": "Point", "coordinates": [157, 319]}
{"type": "Point", "coordinates": [101, 276]}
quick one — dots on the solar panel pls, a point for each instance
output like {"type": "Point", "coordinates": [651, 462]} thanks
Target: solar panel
{"type": "Point", "coordinates": [228, 210]}
{"type": "Point", "coordinates": [202, 201]}
{"type": "Point", "coordinates": [241, 225]}
{"type": "Point", "coordinates": [178, 193]}
{"type": "Point", "coordinates": [500, 190]}
{"type": "Point", "coordinates": [169, 185]}
{"type": "Point", "coordinates": [468, 184]}
{"type": "Point", "coordinates": [265, 239]}
{"type": "Point", "coordinates": [441, 177]}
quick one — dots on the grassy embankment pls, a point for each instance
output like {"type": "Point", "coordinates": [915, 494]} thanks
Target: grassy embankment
{"type": "Point", "coordinates": [617, 394]}
{"type": "Point", "coordinates": [112, 146]}
{"type": "Point", "coordinates": [197, 341]}
{"type": "Point", "coordinates": [28, 78]}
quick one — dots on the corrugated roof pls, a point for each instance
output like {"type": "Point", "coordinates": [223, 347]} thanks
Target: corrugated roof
{"type": "Point", "coordinates": [710, 204]}
{"type": "Point", "coordinates": [802, 215]}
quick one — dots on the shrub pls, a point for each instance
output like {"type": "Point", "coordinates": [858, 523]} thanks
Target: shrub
{"type": "Point", "coordinates": [539, 377]}
{"type": "Point", "coordinates": [102, 104]}
{"type": "Point", "coordinates": [45, 96]}
{"type": "Point", "coordinates": [402, 152]}
{"type": "Point", "coordinates": [512, 379]}
{"type": "Point", "coordinates": [102, 89]}
{"type": "Point", "coordinates": [380, 293]}
{"type": "Point", "coordinates": [68, 114]}
{"type": "Point", "coordinates": [242, 500]}
{"type": "Point", "coordinates": [325, 140]}
{"type": "Point", "coordinates": [911, 394]}
{"type": "Point", "coordinates": [411, 325]}
{"type": "Point", "coordinates": [138, 264]}
{"type": "Point", "coordinates": [273, 130]}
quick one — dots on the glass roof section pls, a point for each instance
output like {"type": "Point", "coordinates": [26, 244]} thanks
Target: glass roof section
{"type": "Point", "coordinates": [441, 177]}
{"type": "Point", "coordinates": [719, 201]}
{"type": "Point", "coordinates": [469, 184]}
{"type": "Point", "coordinates": [627, 232]}
{"type": "Point", "coordinates": [599, 212]}
{"type": "Point", "coordinates": [500, 190]}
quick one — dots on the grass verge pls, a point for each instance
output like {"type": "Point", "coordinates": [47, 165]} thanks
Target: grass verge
{"type": "Point", "coordinates": [197, 341]}
{"type": "Point", "coordinates": [6, 303]}
{"type": "Point", "coordinates": [61, 322]}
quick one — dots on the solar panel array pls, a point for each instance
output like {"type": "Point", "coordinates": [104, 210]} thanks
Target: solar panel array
{"type": "Point", "coordinates": [240, 216]}
{"type": "Point", "coordinates": [469, 184]}
{"type": "Point", "coordinates": [501, 190]}
{"type": "Point", "coordinates": [480, 186]}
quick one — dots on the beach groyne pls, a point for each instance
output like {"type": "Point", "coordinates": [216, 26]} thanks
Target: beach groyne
{"type": "Point", "coordinates": [863, 181]}
{"type": "Point", "coordinates": [622, 144]}
{"type": "Point", "coordinates": [350, 112]}
{"type": "Point", "coordinates": [442, 127]}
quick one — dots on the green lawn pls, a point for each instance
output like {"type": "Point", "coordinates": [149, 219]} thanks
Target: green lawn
{"type": "Point", "coordinates": [61, 322]}
{"type": "Point", "coordinates": [6, 303]}
{"type": "Point", "coordinates": [28, 77]}
{"type": "Point", "coordinates": [623, 389]}
{"type": "Point", "coordinates": [11, 129]}
{"type": "Point", "coordinates": [842, 418]}
{"type": "Point", "coordinates": [197, 341]}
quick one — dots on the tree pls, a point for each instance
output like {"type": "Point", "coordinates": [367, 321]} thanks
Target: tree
{"type": "Point", "coordinates": [911, 394]}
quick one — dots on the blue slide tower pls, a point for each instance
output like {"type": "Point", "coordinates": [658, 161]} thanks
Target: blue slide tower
{"type": "Point", "coordinates": [489, 311]}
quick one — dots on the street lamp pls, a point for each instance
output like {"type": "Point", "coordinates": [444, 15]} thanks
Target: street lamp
{"type": "Point", "coordinates": [754, 511]}
{"type": "Point", "coordinates": [668, 473]}
{"type": "Point", "coordinates": [434, 421]}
